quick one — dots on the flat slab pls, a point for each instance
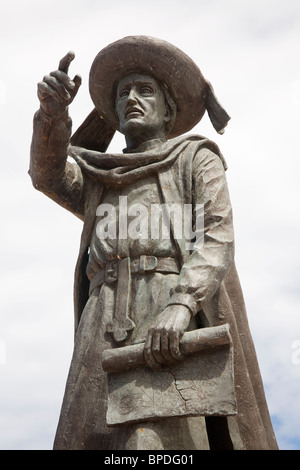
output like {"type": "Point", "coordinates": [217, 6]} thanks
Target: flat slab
{"type": "Point", "coordinates": [202, 384]}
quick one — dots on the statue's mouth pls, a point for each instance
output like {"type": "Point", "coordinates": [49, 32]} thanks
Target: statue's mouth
{"type": "Point", "coordinates": [131, 112]}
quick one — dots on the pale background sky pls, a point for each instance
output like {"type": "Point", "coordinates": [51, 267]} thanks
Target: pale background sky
{"type": "Point", "coordinates": [249, 50]}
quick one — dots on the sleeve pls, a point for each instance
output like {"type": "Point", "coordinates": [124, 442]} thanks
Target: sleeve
{"type": "Point", "coordinates": [50, 171]}
{"type": "Point", "coordinates": [207, 264]}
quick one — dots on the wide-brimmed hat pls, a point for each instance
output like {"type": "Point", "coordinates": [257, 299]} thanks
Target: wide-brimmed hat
{"type": "Point", "coordinates": [170, 66]}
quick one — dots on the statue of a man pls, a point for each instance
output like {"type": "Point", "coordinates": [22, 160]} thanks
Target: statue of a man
{"type": "Point", "coordinates": [131, 286]}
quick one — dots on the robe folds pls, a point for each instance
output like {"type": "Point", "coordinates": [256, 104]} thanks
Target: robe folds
{"type": "Point", "coordinates": [188, 170]}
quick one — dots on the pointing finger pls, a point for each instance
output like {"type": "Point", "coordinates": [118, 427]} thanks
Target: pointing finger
{"type": "Point", "coordinates": [64, 64]}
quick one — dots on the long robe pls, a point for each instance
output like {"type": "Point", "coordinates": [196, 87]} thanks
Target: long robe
{"type": "Point", "coordinates": [207, 284]}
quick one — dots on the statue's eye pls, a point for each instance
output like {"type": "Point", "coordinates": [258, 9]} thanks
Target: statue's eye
{"type": "Point", "coordinates": [146, 90]}
{"type": "Point", "coordinates": [123, 93]}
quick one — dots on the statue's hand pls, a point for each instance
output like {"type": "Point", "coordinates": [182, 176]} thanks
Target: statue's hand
{"type": "Point", "coordinates": [162, 342]}
{"type": "Point", "coordinates": [57, 90]}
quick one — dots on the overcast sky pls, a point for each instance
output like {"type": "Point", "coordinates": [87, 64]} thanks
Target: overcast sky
{"type": "Point", "coordinates": [249, 50]}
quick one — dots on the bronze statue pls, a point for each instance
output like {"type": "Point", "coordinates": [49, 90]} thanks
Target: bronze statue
{"type": "Point", "coordinates": [163, 356]}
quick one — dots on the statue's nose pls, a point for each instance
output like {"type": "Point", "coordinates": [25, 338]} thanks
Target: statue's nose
{"type": "Point", "coordinates": [132, 96]}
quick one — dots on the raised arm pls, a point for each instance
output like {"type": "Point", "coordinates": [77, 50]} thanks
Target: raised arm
{"type": "Point", "coordinates": [49, 170]}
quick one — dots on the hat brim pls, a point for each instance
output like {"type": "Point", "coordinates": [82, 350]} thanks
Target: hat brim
{"type": "Point", "coordinates": [166, 63]}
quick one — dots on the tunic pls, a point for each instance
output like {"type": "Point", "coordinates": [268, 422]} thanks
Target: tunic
{"type": "Point", "coordinates": [149, 292]}
{"type": "Point", "coordinates": [207, 284]}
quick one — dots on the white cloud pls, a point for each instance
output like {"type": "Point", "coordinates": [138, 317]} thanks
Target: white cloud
{"type": "Point", "coordinates": [249, 52]}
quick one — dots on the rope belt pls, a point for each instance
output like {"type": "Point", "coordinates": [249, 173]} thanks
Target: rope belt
{"type": "Point", "coordinates": [121, 270]}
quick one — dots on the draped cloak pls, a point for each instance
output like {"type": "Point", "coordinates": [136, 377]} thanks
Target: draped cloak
{"type": "Point", "coordinates": [187, 169]}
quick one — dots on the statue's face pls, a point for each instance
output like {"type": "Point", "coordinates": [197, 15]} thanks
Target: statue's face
{"type": "Point", "coordinates": [141, 107]}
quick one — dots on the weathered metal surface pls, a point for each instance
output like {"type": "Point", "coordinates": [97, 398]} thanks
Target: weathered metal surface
{"type": "Point", "coordinates": [202, 384]}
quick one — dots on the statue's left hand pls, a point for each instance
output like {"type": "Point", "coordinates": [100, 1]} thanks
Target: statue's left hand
{"type": "Point", "coordinates": [162, 342]}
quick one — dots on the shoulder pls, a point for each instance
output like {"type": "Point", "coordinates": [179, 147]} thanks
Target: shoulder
{"type": "Point", "coordinates": [205, 158]}
{"type": "Point", "coordinates": [200, 148]}
{"type": "Point", "coordinates": [208, 163]}
{"type": "Point", "coordinates": [202, 151]}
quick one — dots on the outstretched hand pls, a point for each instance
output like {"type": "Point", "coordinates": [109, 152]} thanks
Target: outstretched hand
{"type": "Point", "coordinates": [162, 342]}
{"type": "Point", "coordinates": [57, 90]}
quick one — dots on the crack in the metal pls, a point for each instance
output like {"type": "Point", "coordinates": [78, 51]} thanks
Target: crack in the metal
{"type": "Point", "coordinates": [176, 387]}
